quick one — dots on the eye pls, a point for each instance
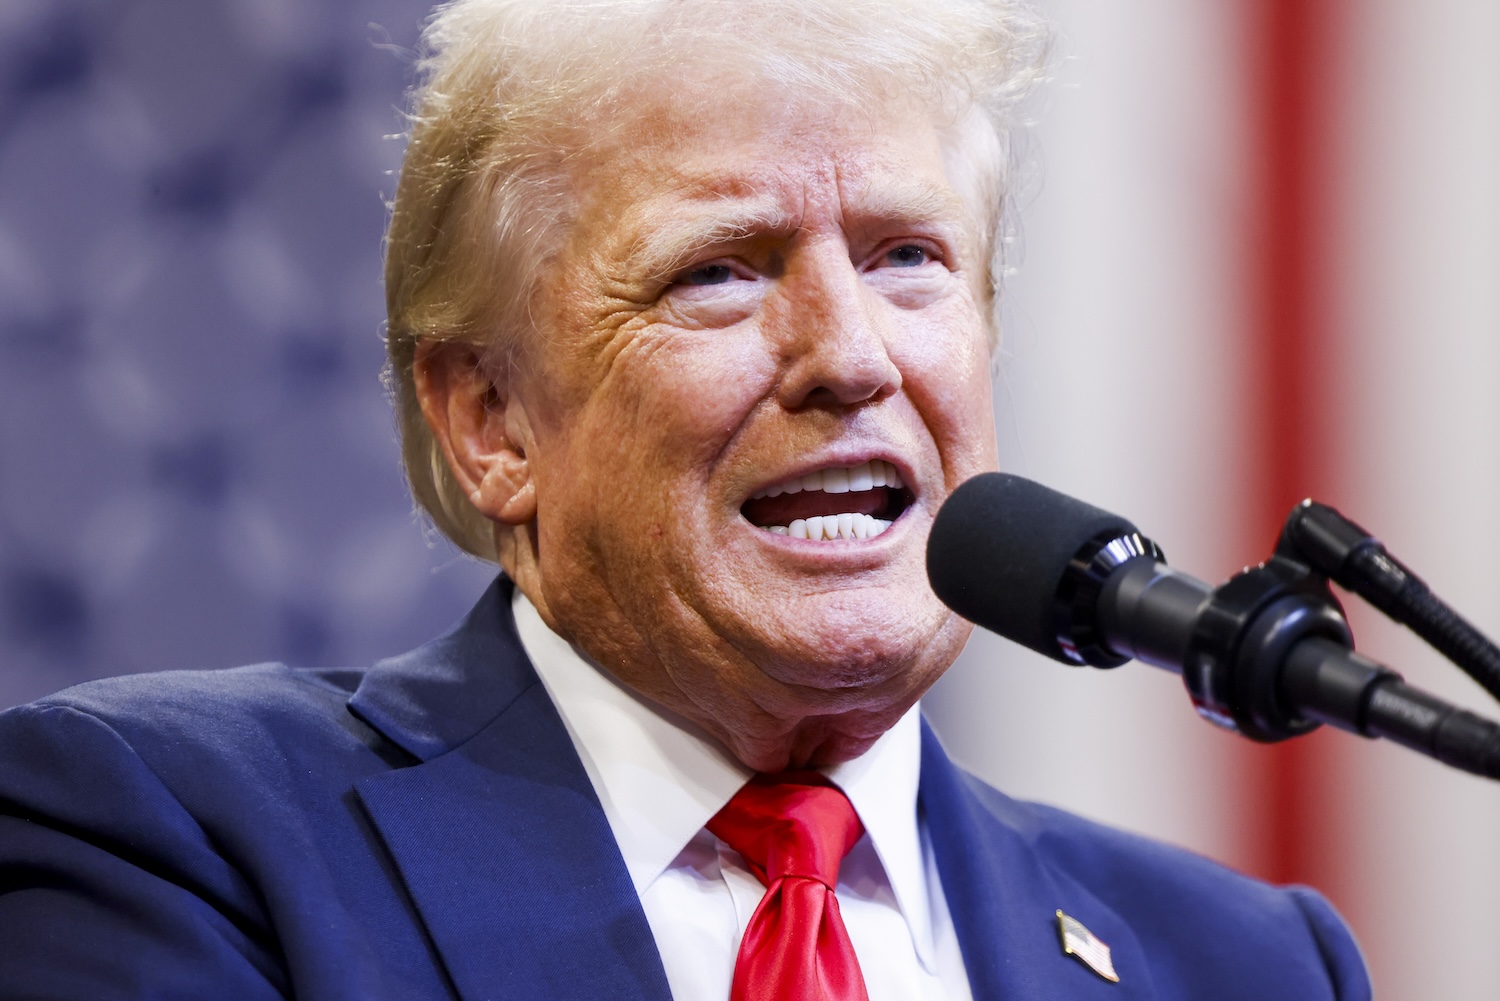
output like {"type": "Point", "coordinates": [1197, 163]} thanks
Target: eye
{"type": "Point", "coordinates": [708, 274]}
{"type": "Point", "coordinates": [908, 255]}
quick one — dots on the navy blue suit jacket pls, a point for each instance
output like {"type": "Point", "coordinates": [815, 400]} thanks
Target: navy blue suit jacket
{"type": "Point", "coordinates": [424, 829]}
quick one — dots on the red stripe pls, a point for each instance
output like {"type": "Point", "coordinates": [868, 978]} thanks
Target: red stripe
{"type": "Point", "coordinates": [1290, 345]}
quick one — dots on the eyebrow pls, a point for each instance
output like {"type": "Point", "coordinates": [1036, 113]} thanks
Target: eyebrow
{"type": "Point", "coordinates": [658, 250]}
{"type": "Point", "coordinates": [914, 204]}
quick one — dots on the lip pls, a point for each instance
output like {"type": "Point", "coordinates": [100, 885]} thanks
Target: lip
{"type": "Point", "coordinates": [891, 537]}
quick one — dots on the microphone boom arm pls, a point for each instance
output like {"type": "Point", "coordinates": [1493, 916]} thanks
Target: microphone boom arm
{"type": "Point", "coordinates": [1268, 655]}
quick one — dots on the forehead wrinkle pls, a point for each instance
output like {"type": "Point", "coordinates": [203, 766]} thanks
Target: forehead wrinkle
{"type": "Point", "coordinates": [697, 212]}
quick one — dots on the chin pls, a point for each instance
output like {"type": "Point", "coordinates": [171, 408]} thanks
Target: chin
{"type": "Point", "coordinates": [856, 646]}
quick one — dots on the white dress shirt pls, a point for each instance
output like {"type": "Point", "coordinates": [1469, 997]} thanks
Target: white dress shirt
{"type": "Point", "coordinates": [660, 779]}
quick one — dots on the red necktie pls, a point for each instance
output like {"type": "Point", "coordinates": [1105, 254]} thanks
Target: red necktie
{"type": "Point", "coordinates": [793, 830]}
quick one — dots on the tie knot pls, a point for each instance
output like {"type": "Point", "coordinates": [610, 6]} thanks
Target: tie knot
{"type": "Point", "coordinates": [790, 824]}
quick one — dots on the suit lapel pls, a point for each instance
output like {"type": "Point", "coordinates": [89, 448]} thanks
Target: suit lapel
{"type": "Point", "coordinates": [1004, 899]}
{"type": "Point", "coordinates": [502, 844]}
{"type": "Point", "coordinates": [500, 839]}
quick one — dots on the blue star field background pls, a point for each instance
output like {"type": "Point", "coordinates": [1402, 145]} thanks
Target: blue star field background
{"type": "Point", "coordinates": [198, 464]}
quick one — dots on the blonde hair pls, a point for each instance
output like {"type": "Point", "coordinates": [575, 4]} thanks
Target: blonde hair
{"type": "Point", "coordinates": [508, 90]}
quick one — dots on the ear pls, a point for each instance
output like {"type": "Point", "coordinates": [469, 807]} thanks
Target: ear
{"type": "Point", "coordinates": [481, 426]}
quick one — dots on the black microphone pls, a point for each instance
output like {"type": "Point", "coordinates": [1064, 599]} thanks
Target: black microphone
{"type": "Point", "coordinates": [1268, 654]}
{"type": "Point", "coordinates": [1030, 564]}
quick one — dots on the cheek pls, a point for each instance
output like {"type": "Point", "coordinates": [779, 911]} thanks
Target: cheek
{"type": "Point", "coordinates": [696, 388]}
{"type": "Point", "coordinates": [664, 413]}
{"type": "Point", "coordinates": [945, 364]}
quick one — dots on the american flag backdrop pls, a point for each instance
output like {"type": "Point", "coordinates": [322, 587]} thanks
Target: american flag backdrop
{"type": "Point", "coordinates": [1263, 262]}
{"type": "Point", "coordinates": [1257, 260]}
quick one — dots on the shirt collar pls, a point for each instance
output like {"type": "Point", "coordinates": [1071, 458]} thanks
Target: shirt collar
{"type": "Point", "coordinates": [660, 778]}
{"type": "Point", "coordinates": [882, 785]}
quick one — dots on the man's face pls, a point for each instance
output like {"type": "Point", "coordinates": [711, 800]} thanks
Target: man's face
{"type": "Point", "coordinates": [756, 318]}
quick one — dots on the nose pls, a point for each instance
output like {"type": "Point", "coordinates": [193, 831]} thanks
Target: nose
{"type": "Point", "coordinates": [833, 332]}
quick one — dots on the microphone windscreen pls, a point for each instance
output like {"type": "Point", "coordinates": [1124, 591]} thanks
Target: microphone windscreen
{"type": "Point", "coordinates": [998, 551]}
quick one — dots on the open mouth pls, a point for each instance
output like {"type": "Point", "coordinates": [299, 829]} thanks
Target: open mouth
{"type": "Point", "coordinates": [854, 502]}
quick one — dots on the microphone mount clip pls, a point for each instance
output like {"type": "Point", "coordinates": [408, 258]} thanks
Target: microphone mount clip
{"type": "Point", "coordinates": [1244, 634]}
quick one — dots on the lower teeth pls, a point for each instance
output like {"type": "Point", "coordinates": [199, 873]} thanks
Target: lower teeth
{"type": "Point", "coordinates": [830, 527]}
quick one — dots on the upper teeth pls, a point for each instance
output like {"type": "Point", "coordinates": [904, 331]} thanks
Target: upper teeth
{"type": "Point", "coordinates": [865, 476]}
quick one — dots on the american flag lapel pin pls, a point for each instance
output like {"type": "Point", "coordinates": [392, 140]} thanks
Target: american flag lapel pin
{"type": "Point", "coordinates": [1079, 942]}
